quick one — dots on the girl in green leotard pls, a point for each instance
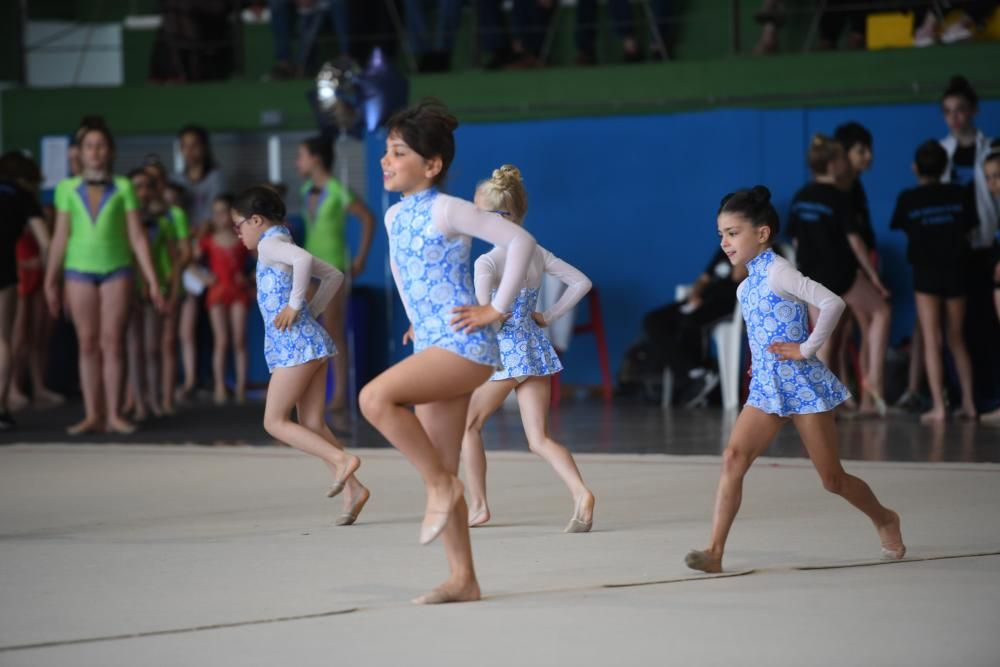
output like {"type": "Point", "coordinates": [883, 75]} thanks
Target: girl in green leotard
{"type": "Point", "coordinates": [145, 323]}
{"type": "Point", "coordinates": [97, 232]}
{"type": "Point", "coordinates": [181, 233]}
{"type": "Point", "coordinates": [325, 205]}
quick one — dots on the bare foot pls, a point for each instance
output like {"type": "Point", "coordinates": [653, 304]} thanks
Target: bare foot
{"type": "Point", "coordinates": [16, 401]}
{"type": "Point", "coordinates": [451, 592]}
{"type": "Point", "coordinates": [934, 416]}
{"type": "Point", "coordinates": [47, 399]}
{"type": "Point", "coordinates": [352, 508]}
{"type": "Point", "coordinates": [967, 413]}
{"type": "Point", "coordinates": [441, 502]}
{"type": "Point", "coordinates": [990, 417]}
{"type": "Point", "coordinates": [478, 516]}
{"type": "Point", "coordinates": [120, 426]}
{"type": "Point", "coordinates": [704, 561]}
{"type": "Point", "coordinates": [892, 538]}
{"type": "Point", "coordinates": [88, 425]}
{"type": "Point", "coordinates": [220, 396]}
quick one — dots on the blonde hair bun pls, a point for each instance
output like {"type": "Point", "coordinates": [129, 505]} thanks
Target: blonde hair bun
{"type": "Point", "coordinates": [505, 192]}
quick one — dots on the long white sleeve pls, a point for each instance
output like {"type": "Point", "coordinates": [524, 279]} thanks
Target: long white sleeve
{"type": "Point", "coordinates": [282, 251]}
{"type": "Point", "coordinates": [457, 216]}
{"type": "Point", "coordinates": [787, 282]}
{"type": "Point", "coordinates": [577, 285]}
{"type": "Point", "coordinates": [486, 275]}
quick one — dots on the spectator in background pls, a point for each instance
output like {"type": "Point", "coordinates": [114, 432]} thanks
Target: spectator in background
{"type": "Point", "coordinates": [19, 210]}
{"type": "Point", "coordinates": [937, 218]}
{"type": "Point", "coordinates": [311, 17]}
{"type": "Point", "coordinates": [840, 14]}
{"type": "Point", "coordinates": [179, 233]}
{"type": "Point", "coordinates": [829, 250]}
{"type": "Point", "coordinates": [433, 52]}
{"type": "Point", "coordinates": [202, 181]}
{"type": "Point", "coordinates": [991, 167]}
{"type": "Point", "coordinates": [623, 22]}
{"type": "Point", "coordinates": [97, 231]}
{"type": "Point", "coordinates": [930, 18]}
{"type": "Point", "coordinates": [967, 148]}
{"type": "Point", "coordinates": [529, 22]}
{"type": "Point", "coordinates": [771, 16]}
{"type": "Point", "coordinates": [681, 328]}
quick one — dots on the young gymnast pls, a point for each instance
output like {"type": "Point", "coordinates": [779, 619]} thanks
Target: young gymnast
{"type": "Point", "coordinates": [455, 349]}
{"type": "Point", "coordinates": [97, 231]}
{"type": "Point", "coordinates": [937, 218]}
{"type": "Point", "coordinates": [991, 170]}
{"type": "Point", "coordinates": [327, 203]}
{"type": "Point", "coordinates": [165, 204]}
{"type": "Point", "coordinates": [145, 323]}
{"type": "Point", "coordinates": [227, 298]}
{"type": "Point", "coordinates": [528, 358]}
{"type": "Point", "coordinates": [787, 381]}
{"type": "Point", "coordinates": [296, 347]}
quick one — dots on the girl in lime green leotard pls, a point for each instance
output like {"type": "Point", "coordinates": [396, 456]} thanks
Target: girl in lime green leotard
{"type": "Point", "coordinates": [184, 247]}
{"type": "Point", "coordinates": [145, 323]}
{"type": "Point", "coordinates": [325, 205]}
{"type": "Point", "coordinates": [97, 232]}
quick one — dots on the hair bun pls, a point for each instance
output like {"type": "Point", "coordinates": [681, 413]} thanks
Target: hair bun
{"type": "Point", "coordinates": [506, 177]}
{"type": "Point", "coordinates": [760, 195]}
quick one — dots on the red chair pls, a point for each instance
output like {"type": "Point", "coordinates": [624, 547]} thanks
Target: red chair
{"type": "Point", "coordinates": [596, 327]}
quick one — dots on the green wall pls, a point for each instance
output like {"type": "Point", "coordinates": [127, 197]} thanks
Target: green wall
{"type": "Point", "coordinates": [816, 79]}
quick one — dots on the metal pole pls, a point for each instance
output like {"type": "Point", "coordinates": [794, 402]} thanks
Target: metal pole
{"type": "Point", "coordinates": [734, 26]}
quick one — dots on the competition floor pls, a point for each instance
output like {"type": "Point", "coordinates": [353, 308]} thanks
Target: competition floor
{"type": "Point", "coordinates": [132, 554]}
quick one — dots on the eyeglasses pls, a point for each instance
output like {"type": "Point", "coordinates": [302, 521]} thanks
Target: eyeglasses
{"type": "Point", "coordinates": [236, 227]}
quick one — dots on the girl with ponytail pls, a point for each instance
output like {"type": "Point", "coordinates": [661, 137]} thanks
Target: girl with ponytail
{"type": "Point", "coordinates": [788, 382]}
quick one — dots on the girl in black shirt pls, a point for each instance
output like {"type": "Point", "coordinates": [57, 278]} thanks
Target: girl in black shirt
{"type": "Point", "coordinates": [830, 250]}
{"type": "Point", "coordinates": [937, 218]}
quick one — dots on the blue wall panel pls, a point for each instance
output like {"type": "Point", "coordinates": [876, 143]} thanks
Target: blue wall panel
{"type": "Point", "coordinates": [631, 200]}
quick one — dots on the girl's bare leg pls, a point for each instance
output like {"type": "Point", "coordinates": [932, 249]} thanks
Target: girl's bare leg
{"type": "Point", "coordinates": [154, 332]}
{"type": "Point", "coordinates": [752, 434]}
{"type": "Point", "coordinates": [135, 403]}
{"type": "Point", "coordinates": [955, 310]}
{"type": "Point", "coordinates": [533, 398]}
{"type": "Point", "coordinates": [287, 388]}
{"type": "Point", "coordinates": [40, 331]}
{"type": "Point", "coordinates": [444, 423]}
{"type": "Point", "coordinates": [484, 402]}
{"type": "Point", "coordinates": [311, 414]}
{"type": "Point", "coordinates": [874, 316]}
{"type": "Point", "coordinates": [168, 357]}
{"type": "Point", "coordinates": [186, 333]}
{"type": "Point", "coordinates": [819, 435]}
{"type": "Point", "coordinates": [929, 315]}
{"type": "Point", "coordinates": [430, 376]}
{"type": "Point", "coordinates": [19, 339]}
{"type": "Point", "coordinates": [8, 304]}
{"type": "Point", "coordinates": [115, 301]}
{"type": "Point", "coordinates": [220, 344]}
{"type": "Point", "coordinates": [916, 370]}
{"type": "Point", "coordinates": [84, 302]}
{"type": "Point", "coordinates": [238, 328]}
{"type": "Point", "coordinates": [335, 322]}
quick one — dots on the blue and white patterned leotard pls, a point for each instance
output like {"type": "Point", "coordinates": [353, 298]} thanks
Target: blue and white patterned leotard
{"type": "Point", "coordinates": [434, 278]}
{"type": "Point", "coordinates": [524, 347]}
{"type": "Point", "coordinates": [783, 387]}
{"type": "Point", "coordinates": [306, 340]}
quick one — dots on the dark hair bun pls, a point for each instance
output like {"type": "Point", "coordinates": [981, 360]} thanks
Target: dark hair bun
{"type": "Point", "coordinates": [760, 195]}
